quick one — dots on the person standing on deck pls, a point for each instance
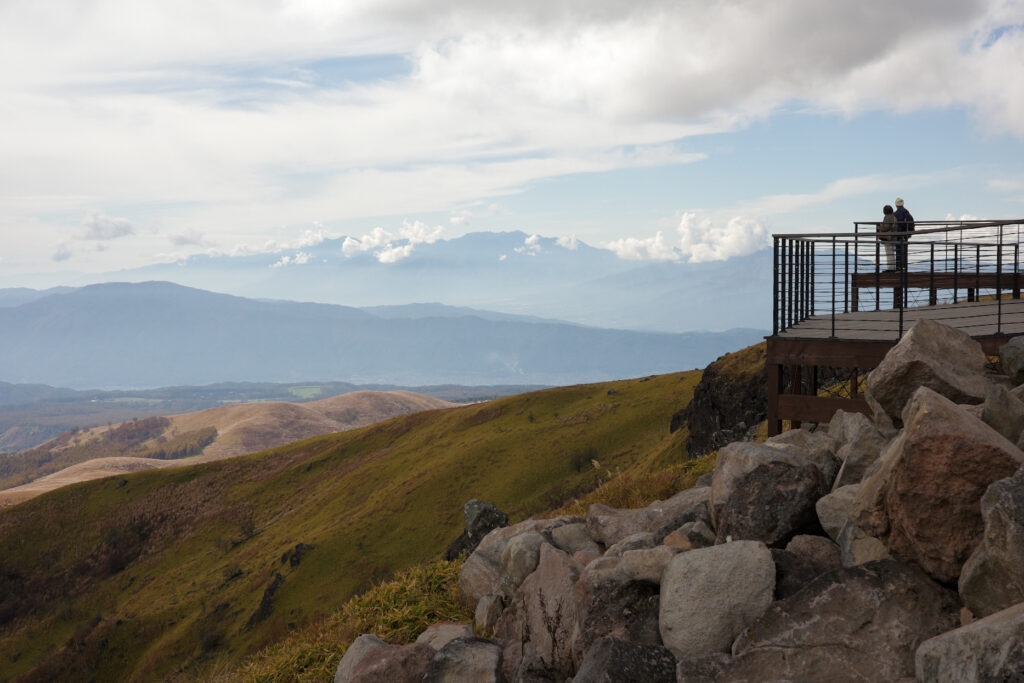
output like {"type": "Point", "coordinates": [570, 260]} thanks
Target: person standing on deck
{"type": "Point", "coordinates": [905, 224]}
{"type": "Point", "coordinates": [885, 228]}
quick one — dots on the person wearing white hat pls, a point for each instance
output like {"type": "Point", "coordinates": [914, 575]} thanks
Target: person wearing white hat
{"type": "Point", "coordinates": [904, 224]}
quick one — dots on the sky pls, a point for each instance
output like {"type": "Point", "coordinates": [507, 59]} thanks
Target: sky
{"type": "Point", "coordinates": [135, 132]}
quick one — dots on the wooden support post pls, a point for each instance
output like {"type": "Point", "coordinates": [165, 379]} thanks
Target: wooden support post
{"type": "Point", "coordinates": [774, 385]}
{"type": "Point", "coordinates": [796, 384]}
{"type": "Point", "coordinates": [854, 383]}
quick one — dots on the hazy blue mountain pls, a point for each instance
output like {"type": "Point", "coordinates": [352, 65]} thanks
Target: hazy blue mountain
{"type": "Point", "coordinates": [158, 334]}
{"type": "Point", "coordinates": [500, 272]}
{"type": "Point", "coordinates": [16, 296]}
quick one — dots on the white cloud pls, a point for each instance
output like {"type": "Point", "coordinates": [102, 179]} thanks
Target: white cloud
{"type": "Point", "coordinates": [705, 240]}
{"type": "Point", "coordinates": [491, 97]}
{"type": "Point", "coordinates": [299, 259]}
{"type": "Point", "coordinates": [388, 250]}
{"type": "Point", "coordinates": [531, 246]}
{"type": "Point", "coordinates": [570, 242]}
{"type": "Point", "coordinates": [98, 226]}
{"type": "Point", "coordinates": [650, 249]}
{"type": "Point", "coordinates": [503, 257]}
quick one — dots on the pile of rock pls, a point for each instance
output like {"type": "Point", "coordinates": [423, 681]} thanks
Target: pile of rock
{"type": "Point", "coordinates": [872, 549]}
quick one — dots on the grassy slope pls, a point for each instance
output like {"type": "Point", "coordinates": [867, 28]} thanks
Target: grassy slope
{"type": "Point", "coordinates": [199, 545]}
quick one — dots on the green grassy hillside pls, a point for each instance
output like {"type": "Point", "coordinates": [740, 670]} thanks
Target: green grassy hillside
{"type": "Point", "coordinates": [173, 571]}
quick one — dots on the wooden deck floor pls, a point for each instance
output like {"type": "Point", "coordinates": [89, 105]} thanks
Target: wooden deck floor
{"type": "Point", "coordinates": [978, 319]}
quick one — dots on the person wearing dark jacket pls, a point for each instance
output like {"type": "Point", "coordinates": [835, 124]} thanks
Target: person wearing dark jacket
{"type": "Point", "coordinates": [904, 224]}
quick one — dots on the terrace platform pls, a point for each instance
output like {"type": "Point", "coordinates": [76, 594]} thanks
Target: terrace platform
{"type": "Point", "coordinates": [837, 312]}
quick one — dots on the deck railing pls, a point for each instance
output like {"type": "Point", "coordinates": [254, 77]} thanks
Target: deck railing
{"type": "Point", "coordinates": [941, 262]}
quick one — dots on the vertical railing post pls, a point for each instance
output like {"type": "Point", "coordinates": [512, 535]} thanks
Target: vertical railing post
{"type": "Point", "coordinates": [999, 287]}
{"type": "Point", "coordinates": [775, 286]}
{"type": "Point", "coordinates": [833, 286]}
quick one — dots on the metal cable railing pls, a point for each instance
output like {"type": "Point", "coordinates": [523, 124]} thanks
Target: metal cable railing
{"type": "Point", "coordinates": [820, 277]}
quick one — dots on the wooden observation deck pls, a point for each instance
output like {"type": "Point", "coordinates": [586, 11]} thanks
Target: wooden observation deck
{"type": "Point", "coordinates": [838, 307]}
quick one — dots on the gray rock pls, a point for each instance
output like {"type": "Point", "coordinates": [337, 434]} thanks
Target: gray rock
{"type": "Point", "coordinates": [481, 518]}
{"type": "Point", "coordinates": [360, 647]}
{"type": "Point", "coordinates": [1011, 357]}
{"type": "Point", "coordinates": [394, 664]}
{"type": "Point", "coordinates": [605, 571]}
{"type": "Point", "coordinates": [537, 625]}
{"type": "Point", "coordinates": [647, 564]}
{"type": "Point", "coordinates": [574, 537]}
{"type": "Point", "coordinates": [923, 500]}
{"type": "Point", "coordinates": [858, 624]}
{"type": "Point", "coordinates": [613, 660]}
{"type": "Point", "coordinates": [520, 556]}
{"type": "Point", "coordinates": [488, 609]}
{"type": "Point", "coordinates": [466, 660]}
{"type": "Point", "coordinates": [857, 547]}
{"type": "Point", "coordinates": [993, 577]}
{"type": "Point", "coordinates": [858, 444]}
{"type": "Point", "coordinates": [482, 572]}
{"type": "Point", "coordinates": [1003, 412]}
{"type": "Point", "coordinates": [691, 536]}
{"type": "Point", "coordinates": [626, 610]}
{"type": "Point", "coordinates": [931, 355]}
{"type": "Point", "coordinates": [834, 509]}
{"type": "Point", "coordinates": [735, 462]}
{"type": "Point", "coordinates": [813, 447]}
{"type": "Point", "coordinates": [706, 669]}
{"type": "Point", "coordinates": [772, 503]}
{"type": "Point", "coordinates": [637, 541]}
{"type": "Point", "coordinates": [609, 525]}
{"type": "Point", "coordinates": [815, 551]}
{"type": "Point", "coordinates": [990, 649]}
{"type": "Point", "coordinates": [708, 596]}
{"type": "Point", "coordinates": [439, 634]}
{"type": "Point", "coordinates": [705, 479]}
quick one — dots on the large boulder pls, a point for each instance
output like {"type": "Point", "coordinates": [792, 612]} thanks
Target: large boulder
{"type": "Point", "coordinates": [1003, 412]}
{"type": "Point", "coordinates": [858, 624]}
{"type": "Point", "coordinates": [990, 649]}
{"type": "Point", "coordinates": [360, 648]}
{"type": "Point", "coordinates": [814, 447]}
{"type": "Point", "coordinates": [574, 537]}
{"type": "Point", "coordinates": [483, 573]}
{"type": "Point", "coordinates": [393, 664]}
{"type": "Point", "coordinates": [737, 460]}
{"type": "Point", "coordinates": [1011, 358]}
{"type": "Point", "coordinates": [930, 354]}
{"type": "Point", "coordinates": [439, 634]}
{"type": "Point", "coordinates": [609, 525]}
{"type": "Point", "coordinates": [628, 611]}
{"type": "Point", "coordinates": [993, 577]}
{"type": "Point", "coordinates": [857, 443]}
{"type": "Point", "coordinates": [857, 547]}
{"type": "Point", "coordinates": [647, 564]}
{"type": "Point", "coordinates": [708, 596]}
{"type": "Point", "coordinates": [613, 660]}
{"type": "Point", "coordinates": [835, 509]}
{"type": "Point", "coordinates": [772, 503]}
{"type": "Point", "coordinates": [923, 499]}
{"type": "Point", "coordinates": [538, 624]}
{"type": "Point", "coordinates": [466, 660]}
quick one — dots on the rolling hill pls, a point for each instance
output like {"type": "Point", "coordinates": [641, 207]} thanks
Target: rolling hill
{"type": "Point", "coordinates": [191, 438]}
{"type": "Point", "coordinates": [179, 572]}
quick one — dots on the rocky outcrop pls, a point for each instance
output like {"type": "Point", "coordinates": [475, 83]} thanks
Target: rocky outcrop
{"type": "Point", "coordinates": [728, 403]}
{"type": "Point", "coordinates": [611, 660]}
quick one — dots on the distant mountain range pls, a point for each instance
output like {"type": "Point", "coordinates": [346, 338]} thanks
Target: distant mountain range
{"type": "Point", "coordinates": [511, 272]}
{"type": "Point", "coordinates": [161, 334]}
